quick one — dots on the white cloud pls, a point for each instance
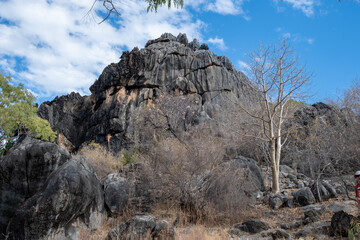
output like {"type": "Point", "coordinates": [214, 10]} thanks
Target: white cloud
{"type": "Point", "coordinates": [225, 7]}
{"type": "Point", "coordinates": [62, 49]}
{"type": "Point", "coordinates": [306, 6]}
{"type": "Point", "coordinates": [218, 42]}
{"type": "Point", "coordinates": [244, 67]}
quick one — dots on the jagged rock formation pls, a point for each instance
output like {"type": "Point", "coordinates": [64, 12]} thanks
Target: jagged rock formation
{"type": "Point", "coordinates": [167, 65]}
{"type": "Point", "coordinates": [68, 115]}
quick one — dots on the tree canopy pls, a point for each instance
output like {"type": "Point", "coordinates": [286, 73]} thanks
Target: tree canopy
{"type": "Point", "coordinates": [18, 113]}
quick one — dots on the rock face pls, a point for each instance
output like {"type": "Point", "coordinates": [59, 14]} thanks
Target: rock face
{"type": "Point", "coordinates": [68, 115]}
{"type": "Point", "coordinates": [45, 193]}
{"type": "Point", "coordinates": [24, 171]}
{"type": "Point", "coordinates": [167, 65]}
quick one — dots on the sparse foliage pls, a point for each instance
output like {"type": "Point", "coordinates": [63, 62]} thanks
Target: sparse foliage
{"type": "Point", "coordinates": [279, 79]}
{"type": "Point", "coordinates": [103, 161]}
{"type": "Point", "coordinates": [153, 5]}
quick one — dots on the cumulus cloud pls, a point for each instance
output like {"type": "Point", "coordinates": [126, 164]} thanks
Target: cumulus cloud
{"type": "Point", "coordinates": [218, 42]}
{"type": "Point", "coordinates": [55, 47]}
{"type": "Point", "coordinates": [306, 6]}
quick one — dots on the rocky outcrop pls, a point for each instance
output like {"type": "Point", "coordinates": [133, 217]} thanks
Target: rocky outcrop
{"type": "Point", "coordinates": [24, 171]}
{"type": "Point", "coordinates": [46, 194]}
{"type": "Point", "coordinates": [68, 115]}
{"type": "Point", "coordinates": [167, 65]}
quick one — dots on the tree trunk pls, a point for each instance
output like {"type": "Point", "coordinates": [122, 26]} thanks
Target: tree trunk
{"type": "Point", "coordinates": [274, 168]}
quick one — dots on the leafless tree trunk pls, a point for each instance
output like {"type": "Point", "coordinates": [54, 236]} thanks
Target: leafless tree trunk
{"type": "Point", "coordinates": [277, 75]}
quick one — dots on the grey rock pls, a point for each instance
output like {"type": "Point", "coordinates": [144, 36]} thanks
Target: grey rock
{"type": "Point", "coordinates": [166, 66]}
{"type": "Point", "coordinates": [312, 213]}
{"type": "Point", "coordinates": [204, 46]}
{"type": "Point", "coordinates": [24, 171]}
{"type": "Point", "coordinates": [276, 201]}
{"type": "Point", "coordinates": [141, 227]}
{"type": "Point", "coordinates": [194, 45]}
{"type": "Point", "coordinates": [254, 226]}
{"type": "Point", "coordinates": [349, 207]}
{"type": "Point", "coordinates": [68, 115]}
{"type": "Point", "coordinates": [182, 38]}
{"type": "Point", "coordinates": [279, 234]}
{"type": "Point", "coordinates": [71, 192]}
{"type": "Point", "coordinates": [291, 226]}
{"type": "Point", "coordinates": [304, 196]}
{"type": "Point", "coordinates": [302, 233]}
{"type": "Point", "coordinates": [117, 191]}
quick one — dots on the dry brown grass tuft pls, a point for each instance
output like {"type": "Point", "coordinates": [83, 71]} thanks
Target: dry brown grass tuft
{"type": "Point", "coordinates": [103, 161]}
{"type": "Point", "coordinates": [197, 232]}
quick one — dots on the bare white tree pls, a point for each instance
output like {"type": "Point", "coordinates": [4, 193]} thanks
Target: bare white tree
{"type": "Point", "coordinates": [276, 73]}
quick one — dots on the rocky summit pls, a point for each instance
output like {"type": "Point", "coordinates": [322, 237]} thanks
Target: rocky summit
{"type": "Point", "coordinates": [167, 65]}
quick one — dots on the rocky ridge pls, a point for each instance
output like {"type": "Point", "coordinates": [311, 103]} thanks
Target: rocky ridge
{"type": "Point", "coordinates": [167, 65]}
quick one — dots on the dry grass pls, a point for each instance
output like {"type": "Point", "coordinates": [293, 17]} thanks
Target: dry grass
{"type": "Point", "coordinates": [200, 232]}
{"type": "Point", "coordinates": [103, 161]}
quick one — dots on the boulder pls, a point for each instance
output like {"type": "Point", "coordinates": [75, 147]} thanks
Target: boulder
{"type": "Point", "coordinates": [254, 226]}
{"type": "Point", "coordinates": [142, 227]}
{"type": "Point", "coordinates": [312, 213]}
{"type": "Point", "coordinates": [117, 191]}
{"type": "Point", "coordinates": [304, 196]}
{"type": "Point", "coordinates": [348, 206]}
{"type": "Point", "coordinates": [341, 223]}
{"type": "Point", "coordinates": [24, 171]}
{"type": "Point", "coordinates": [71, 194]}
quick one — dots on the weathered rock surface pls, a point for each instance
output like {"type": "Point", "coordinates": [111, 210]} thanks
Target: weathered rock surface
{"type": "Point", "coordinates": [117, 191]}
{"type": "Point", "coordinates": [46, 194]}
{"type": "Point", "coordinates": [24, 171]}
{"type": "Point", "coordinates": [312, 213]}
{"type": "Point", "coordinates": [304, 196]}
{"type": "Point", "coordinates": [142, 227]}
{"type": "Point", "coordinates": [254, 226]}
{"type": "Point", "coordinates": [68, 115]}
{"type": "Point", "coordinates": [168, 64]}
{"type": "Point", "coordinates": [70, 192]}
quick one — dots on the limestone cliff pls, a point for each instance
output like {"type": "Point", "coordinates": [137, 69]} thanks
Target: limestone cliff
{"type": "Point", "coordinates": [166, 65]}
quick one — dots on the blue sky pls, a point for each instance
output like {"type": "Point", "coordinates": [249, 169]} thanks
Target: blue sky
{"type": "Point", "coordinates": [56, 46]}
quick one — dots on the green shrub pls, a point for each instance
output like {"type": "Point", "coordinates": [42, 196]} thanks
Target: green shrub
{"type": "Point", "coordinates": [354, 232]}
{"type": "Point", "coordinates": [127, 157]}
